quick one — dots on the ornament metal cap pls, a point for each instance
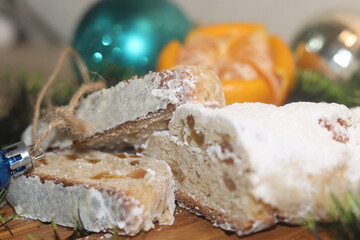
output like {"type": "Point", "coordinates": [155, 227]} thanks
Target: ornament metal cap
{"type": "Point", "coordinates": [21, 157]}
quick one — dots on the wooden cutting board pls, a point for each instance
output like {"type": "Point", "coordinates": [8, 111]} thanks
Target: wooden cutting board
{"type": "Point", "coordinates": [187, 226]}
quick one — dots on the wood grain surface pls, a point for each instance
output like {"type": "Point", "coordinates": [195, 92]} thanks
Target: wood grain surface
{"type": "Point", "coordinates": [187, 226]}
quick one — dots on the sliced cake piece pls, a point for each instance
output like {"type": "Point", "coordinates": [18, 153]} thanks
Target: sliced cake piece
{"type": "Point", "coordinates": [126, 114]}
{"type": "Point", "coordinates": [102, 192]}
{"type": "Point", "coordinates": [247, 166]}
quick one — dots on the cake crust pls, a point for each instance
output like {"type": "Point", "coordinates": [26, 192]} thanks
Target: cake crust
{"type": "Point", "coordinates": [130, 133]}
{"type": "Point", "coordinates": [222, 220]}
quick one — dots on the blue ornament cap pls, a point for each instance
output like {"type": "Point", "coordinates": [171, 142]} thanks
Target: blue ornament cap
{"type": "Point", "coordinates": [121, 38]}
{"type": "Point", "coordinates": [5, 175]}
{"type": "Point", "coordinates": [15, 160]}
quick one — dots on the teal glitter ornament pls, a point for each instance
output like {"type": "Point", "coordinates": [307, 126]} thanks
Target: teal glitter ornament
{"type": "Point", "coordinates": [121, 38]}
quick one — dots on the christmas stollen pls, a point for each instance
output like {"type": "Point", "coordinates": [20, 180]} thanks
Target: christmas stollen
{"type": "Point", "coordinates": [128, 113]}
{"type": "Point", "coordinates": [96, 191]}
{"type": "Point", "coordinates": [247, 166]}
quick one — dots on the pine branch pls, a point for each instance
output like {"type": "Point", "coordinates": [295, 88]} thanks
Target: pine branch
{"type": "Point", "coordinates": [315, 87]}
{"type": "Point", "coordinates": [345, 219]}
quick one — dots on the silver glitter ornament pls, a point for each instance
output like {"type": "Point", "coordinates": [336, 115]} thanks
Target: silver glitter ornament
{"type": "Point", "coordinates": [330, 44]}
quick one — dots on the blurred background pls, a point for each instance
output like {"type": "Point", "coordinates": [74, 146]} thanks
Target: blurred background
{"type": "Point", "coordinates": [276, 51]}
{"type": "Point", "coordinates": [281, 17]}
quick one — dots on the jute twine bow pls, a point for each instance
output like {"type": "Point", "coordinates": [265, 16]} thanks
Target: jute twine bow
{"type": "Point", "coordinates": [63, 118]}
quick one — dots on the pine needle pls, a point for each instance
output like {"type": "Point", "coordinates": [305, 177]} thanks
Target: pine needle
{"type": "Point", "coordinates": [30, 236]}
{"type": "Point", "coordinates": [79, 228]}
{"type": "Point", "coordinates": [8, 219]}
{"type": "Point", "coordinates": [54, 228]}
{"type": "Point", "coordinates": [2, 196]}
{"type": "Point", "coordinates": [115, 235]}
{"type": "Point", "coordinates": [314, 86]}
{"type": "Point", "coordinates": [345, 219]}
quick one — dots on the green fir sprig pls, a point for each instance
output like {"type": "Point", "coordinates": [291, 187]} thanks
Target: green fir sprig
{"type": "Point", "coordinates": [5, 220]}
{"type": "Point", "coordinates": [344, 217]}
{"type": "Point", "coordinates": [314, 86]}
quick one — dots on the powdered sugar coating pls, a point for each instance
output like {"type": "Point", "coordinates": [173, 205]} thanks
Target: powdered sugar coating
{"type": "Point", "coordinates": [134, 99]}
{"type": "Point", "coordinates": [104, 191]}
{"type": "Point", "coordinates": [297, 153]}
{"type": "Point", "coordinates": [98, 210]}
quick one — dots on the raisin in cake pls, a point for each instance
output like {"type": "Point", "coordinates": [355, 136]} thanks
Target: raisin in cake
{"type": "Point", "coordinates": [103, 192]}
{"type": "Point", "coordinates": [247, 166]}
{"type": "Point", "coordinates": [126, 114]}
